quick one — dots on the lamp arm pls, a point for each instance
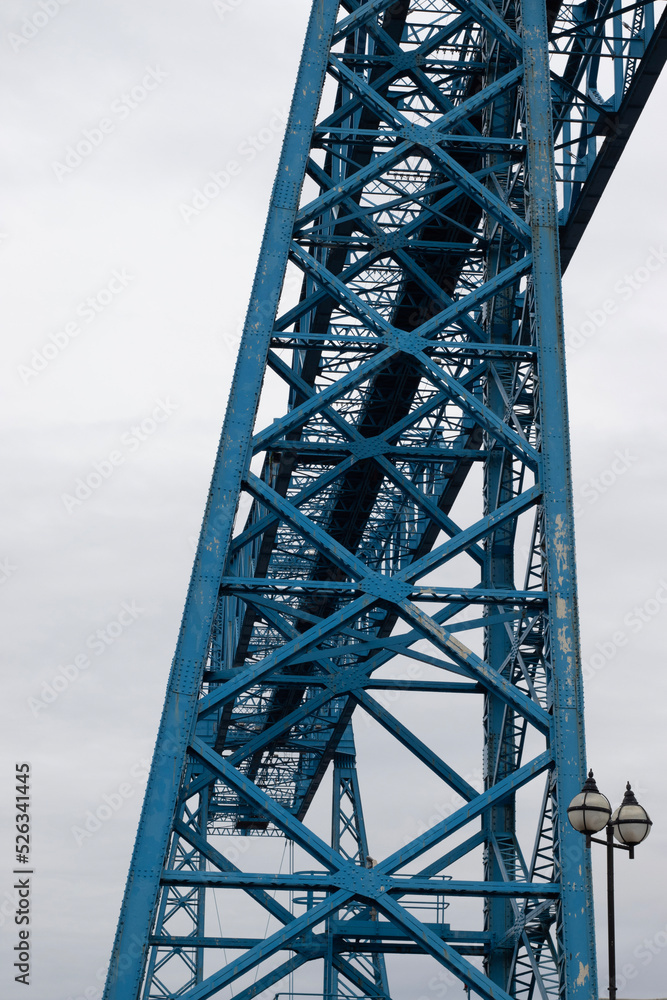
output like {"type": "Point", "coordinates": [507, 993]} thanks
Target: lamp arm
{"type": "Point", "coordinates": [618, 847]}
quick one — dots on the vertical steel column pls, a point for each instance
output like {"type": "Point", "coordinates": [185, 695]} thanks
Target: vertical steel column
{"type": "Point", "coordinates": [578, 941]}
{"type": "Point", "coordinates": [500, 486]}
{"type": "Point", "coordinates": [349, 839]}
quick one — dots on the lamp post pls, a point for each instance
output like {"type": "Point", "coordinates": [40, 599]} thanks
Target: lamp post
{"type": "Point", "coordinates": [589, 812]}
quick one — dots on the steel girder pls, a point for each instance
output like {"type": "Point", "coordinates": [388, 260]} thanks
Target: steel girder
{"type": "Point", "coordinates": [419, 197]}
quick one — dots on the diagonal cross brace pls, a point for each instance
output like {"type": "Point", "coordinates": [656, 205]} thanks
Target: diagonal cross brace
{"type": "Point", "coordinates": [386, 161]}
{"type": "Point", "coordinates": [205, 847]}
{"type": "Point", "coordinates": [424, 136]}
{"type": "Point", "coordinates": [292, 827]}
{"type": "Point", "coordinates": [307, 640]}
{"type": "Point", "coordinates": [491, 680]}
{"type": "Point", "coordinates": [214, 983]}
{"type": "Point", "coordinates": [471, 810]}
{"type": "Point", "coordinates": [316, 847]}
{"type": "Point", "coordinates": [442, 952]}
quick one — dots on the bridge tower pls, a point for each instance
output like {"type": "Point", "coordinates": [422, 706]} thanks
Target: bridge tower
{"type": "Point", "coordinates": [403, 557]}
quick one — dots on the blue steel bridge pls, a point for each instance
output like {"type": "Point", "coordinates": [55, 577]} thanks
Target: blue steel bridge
{"type": "Point", "coordinates": [410, 499]}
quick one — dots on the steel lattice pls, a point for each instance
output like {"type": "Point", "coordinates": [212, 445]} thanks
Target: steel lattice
{"type": "Point", "coordinates": [437, 156]}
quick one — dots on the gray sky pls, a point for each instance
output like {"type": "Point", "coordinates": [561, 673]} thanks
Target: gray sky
{"type": "Point", "coordinates": [123, 297]}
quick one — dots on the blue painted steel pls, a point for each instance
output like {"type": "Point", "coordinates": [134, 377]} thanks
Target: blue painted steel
{"type": "Point", "coordinates": [578, 939]}
{"type": "Point", "coordinates": [349, 839]}
{"type": "Point", "coordinates": [420, 199]}
{"type": "Point", "coordinates": [338, 880]}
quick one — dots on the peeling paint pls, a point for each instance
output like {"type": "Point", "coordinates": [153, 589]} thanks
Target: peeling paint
{"type": "Point", "coordinates": [561, 607]}
{"type": "Point", "coordinates": [564, 640]}
{"type": "Point", "coordinates": [583, 974]}
{"type": "Point", "coordinates": [463, 650]}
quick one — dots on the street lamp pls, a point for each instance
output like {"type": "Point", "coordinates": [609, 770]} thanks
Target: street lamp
{"type": "Point", "coordinates": [589, 812]}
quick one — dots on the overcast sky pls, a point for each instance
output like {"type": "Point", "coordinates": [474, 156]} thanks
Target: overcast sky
{"type": "Point", "coordinates": [123, 293]}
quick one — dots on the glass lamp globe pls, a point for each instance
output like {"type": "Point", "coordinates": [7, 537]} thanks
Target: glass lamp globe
{"type": "Point", "coordinates": [589, 811]}
{"type": "Point", "coordinates": [630, 822]}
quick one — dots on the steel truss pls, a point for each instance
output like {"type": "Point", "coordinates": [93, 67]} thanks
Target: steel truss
{"type": "Point", "coordinates": [420, 199]}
